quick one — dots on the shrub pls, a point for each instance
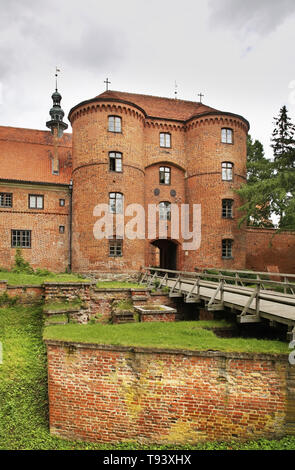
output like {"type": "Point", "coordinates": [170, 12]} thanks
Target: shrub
{"type": "Point", "coordinates": [20, 264]}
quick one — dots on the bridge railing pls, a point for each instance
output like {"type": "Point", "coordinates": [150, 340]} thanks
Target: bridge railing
{"type": "Point", "coordinates": [264, 281]}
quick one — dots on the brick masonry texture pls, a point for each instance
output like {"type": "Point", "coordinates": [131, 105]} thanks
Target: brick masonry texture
{"type": "Point", "coordinates": [195, 157]}
{"type": "Point", "coordinates": [116, 394]}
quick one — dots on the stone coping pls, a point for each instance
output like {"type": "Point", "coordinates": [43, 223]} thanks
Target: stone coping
{"type": "Point", "coordinates": [184, 352]}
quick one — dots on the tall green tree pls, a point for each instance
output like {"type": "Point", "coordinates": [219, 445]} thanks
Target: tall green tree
{"type": "Point", "coordinates": [256, 208]}
{"type": "Point", "coordinates": [270, 187]}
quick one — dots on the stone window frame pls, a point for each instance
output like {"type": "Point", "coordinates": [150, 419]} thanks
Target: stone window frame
{"type": "Point", "coordinates": [227, 135]}
{"type": "Point", "coordinates": [227, 248]}
{"type": "Point", "coordinates": [113, 126]}
{"type": "Point", "coordinates": [163, 173]}
{"type": "Point", "coordinates": [163, 139]}
{"type": "Point", "coordinates": [35, 196]}
{"type": "Point", "coordinates": [115, 248]}
{"type": "Point", "coordinates": [6, 199]}
{"type": "Point", "coordinates": [118, 157]}
{"type": "Point", "coordinates": [227, 171]}
{"type": "Point", "coordinates": [24, 237]}
{"type": "Point", "coordinates": [227, 208]}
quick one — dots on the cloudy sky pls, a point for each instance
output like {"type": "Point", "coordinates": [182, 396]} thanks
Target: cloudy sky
{"type": "Point", "coordinates": [238, 53]}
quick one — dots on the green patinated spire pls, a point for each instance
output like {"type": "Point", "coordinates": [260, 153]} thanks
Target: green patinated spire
{"type": "Point", "coordinates": [56, 113]}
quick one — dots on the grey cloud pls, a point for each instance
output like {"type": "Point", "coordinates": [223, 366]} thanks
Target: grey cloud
{"type": "Point", "coordinates": [258, 16]}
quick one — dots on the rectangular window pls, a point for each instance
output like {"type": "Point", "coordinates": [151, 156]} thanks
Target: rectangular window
{"type": "Point", "coordinates": [5, 199]}
{"type": "Point", "coordinates": [227, 246]}
{"type": "Point", "coordinates": [116, 203]}
{"type": "Point", "coordinates": [165, 210]}
{"type": "Point", "coordinates": [36, 201]}
{"type": "Point", "coordinates": [227, 171]}
{"type": "Point", "coordinates": [115, 159]}
{"type": "Point", "coordinates": [115, 124]}
{"type": "Point", "coordinates": [61, 229]}
{"type": "Point", "coordinates": [115, 248]}
{"type": "Point", "coordinates": [227, 208]}
{"type": "Point", "coordinates": [21, 238]}
{"type": "Point", "coordinates": [62, 202]}
{"type": "Point", "coordinates": [165, 175]}
{"type": "Point", "coordinates": [165, 139]}
{"type": "Point", "coordinates": [226, 136]}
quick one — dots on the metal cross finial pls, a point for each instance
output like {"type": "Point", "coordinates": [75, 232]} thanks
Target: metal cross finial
{"type": "Point", "coordinates": [175, 92]}
{"type": "Point", "coordinates": [107, 83]}
{"type": "Point", "coordinates": [200, 95]}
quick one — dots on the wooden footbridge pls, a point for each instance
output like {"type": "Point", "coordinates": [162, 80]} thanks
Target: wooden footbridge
{"type": "Point", "coordinates": [252, 295]}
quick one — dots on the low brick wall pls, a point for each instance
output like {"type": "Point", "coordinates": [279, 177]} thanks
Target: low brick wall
{"type": "Point", "coordinates": [114, 394]}
{"type": "Point", "coordinates": [25, 293]}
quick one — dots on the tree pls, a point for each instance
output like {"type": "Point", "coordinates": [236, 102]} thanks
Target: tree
{"type": "Point", "coordinates": [270, 187]}
{"type": "Point", "coordinates": [256, 207]}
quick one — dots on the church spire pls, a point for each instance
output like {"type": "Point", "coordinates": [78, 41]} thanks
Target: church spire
{"type": "Point", "coordinates": [56, 124]}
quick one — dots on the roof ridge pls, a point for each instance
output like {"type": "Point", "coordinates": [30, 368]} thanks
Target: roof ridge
{"type": "Point", "coordinates": [153, 96]}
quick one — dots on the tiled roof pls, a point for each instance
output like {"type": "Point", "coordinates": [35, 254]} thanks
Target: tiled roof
{"type": "Point", "coordinates": [26, 155]}
{"type": "Point", "coordinates": [155, 106]}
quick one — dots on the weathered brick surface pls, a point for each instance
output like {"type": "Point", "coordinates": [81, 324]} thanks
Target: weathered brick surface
{"type": "Point", "coordinates": [265, 249]}
{"type": "Point", "coordinates": [114, 394]}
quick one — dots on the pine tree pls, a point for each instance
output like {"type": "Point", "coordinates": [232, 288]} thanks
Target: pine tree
{"type": "Point", "coordinates": [270, 188]}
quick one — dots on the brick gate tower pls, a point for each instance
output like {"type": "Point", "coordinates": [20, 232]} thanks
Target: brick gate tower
{"type": "Point", "coordinates": [140, 149]}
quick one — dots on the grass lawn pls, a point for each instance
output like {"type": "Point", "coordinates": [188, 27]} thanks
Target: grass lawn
{"type": "Point", "coordinates": [23, 392]}
{"type": "Point", "coordinates": [178, 335]}
{"type": "Point", "coordinates": [15, 279]}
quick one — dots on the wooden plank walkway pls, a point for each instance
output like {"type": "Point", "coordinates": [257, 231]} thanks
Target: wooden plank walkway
{"type": "Point", "coordinates": [251, 303]}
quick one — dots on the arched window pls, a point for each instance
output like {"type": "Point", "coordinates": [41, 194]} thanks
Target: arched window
{"type": "Point", "coordinates": [165, 175]}
{"type": "Point", "coordinates": [227, 171]}
{"type": "Point", "coordinates": [226, 135]}
{"type": "Point", "coordinates": [227, 248]}
{"type": "Point", "coordinates": [115, 161]}
{"type": "Point", "coordinates": [165, 210]}
{"type": "Point", "coordinates": [116, 203]}
{"type": "Point", "coordinates": [227, 208]}
{"type": "Point", "coordinates": [115, 124]}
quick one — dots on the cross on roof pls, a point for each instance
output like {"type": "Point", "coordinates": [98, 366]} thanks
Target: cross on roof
{"type": "Point", "coordinates": [200, 95]}
{"type": "Point", "coordinates": [107, 83]}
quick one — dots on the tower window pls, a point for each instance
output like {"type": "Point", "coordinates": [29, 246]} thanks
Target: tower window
{"type": "Point", "coordinates": [115, 160]}
{"type": "Point", "coordinates": [165, 175]}
{"type": "Point", "coordinates": [227, 248]}
{"type": "Point", "coordinates": [61, 229]}
{"type": "Point", "coordinates": [116, 203]}
{"type": "Point", "coordinates": [36, 201]}
{"type": "Point", "coordinates": [115, 248]}
{"type": "Point", "coordinates": [165, 210]}
{"type": "Point", "coordinates": [115, 124]}
{"type": "Point", "coordinates": [227, 208]}
{"type": "Point", "coordinates": [165, 139]}
{"type": "Point", "coordinates": [227, 171]}
{"type": "Point", "coordinates": [62, 202]}
{"type": "Point", "coordinates": [226, 136]}
{"type": "Point", "coordinates": [5, 199]}
{"type": "Point", "coordinates": [21, 238]}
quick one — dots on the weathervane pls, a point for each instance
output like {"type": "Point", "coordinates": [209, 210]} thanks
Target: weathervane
{"type": "Point", "coordinates": [107, 84]}
{"type": "Point", "coordinates": [200, 95]}
{"type": "Point", "coordinates": [175, 92]}
{"type": "Point", "coordinates": [56, 75]}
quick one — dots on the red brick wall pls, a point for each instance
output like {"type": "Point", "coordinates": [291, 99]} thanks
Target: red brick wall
{"type": "Point", "coordinates": [115, 394]}
{"type": "Point", "coordinates": [49, 248]}
{"type": "Point", "coordinates": [266, 248]}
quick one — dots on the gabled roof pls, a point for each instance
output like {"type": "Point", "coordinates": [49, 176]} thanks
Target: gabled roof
{"type": "Point", "coordinates": [26, 155]}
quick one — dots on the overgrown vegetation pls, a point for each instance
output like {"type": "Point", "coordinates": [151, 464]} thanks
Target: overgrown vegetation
{"type": "Point", "coordinates": [24, 402]}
